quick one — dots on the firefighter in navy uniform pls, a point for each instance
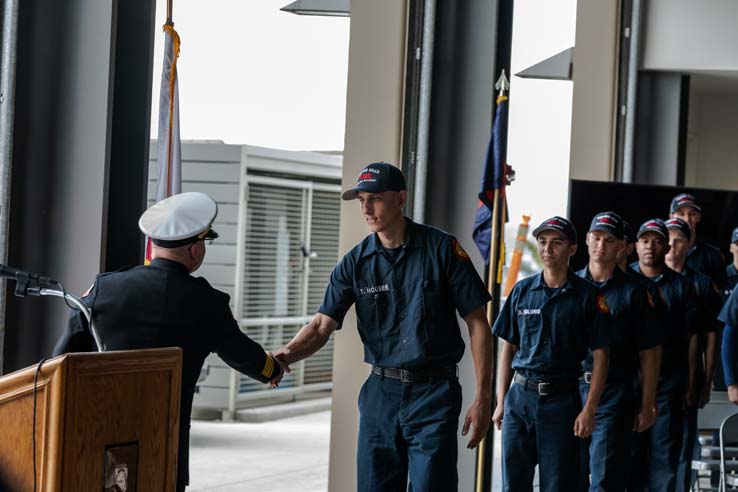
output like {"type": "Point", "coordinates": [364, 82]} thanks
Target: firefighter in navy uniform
{"type": "Point", "coordinates": [634, 353]}
{"type": "Point", "coordinates": [708, 307]}
{"type": "Point", "coordinates": [548, 324]}
{"type": "Point", "coordinates": [162, 305]}
{"type": "Point", "coordinates": [408, 281]}
{"type": "Point", "coordinates": [729, 316]}
{"type": "Point", "coordinates": [657, 450]}
{"type": "Point", "coordinates": [702, 256]}
{"type": "Point", "coordinates": [732, 269]}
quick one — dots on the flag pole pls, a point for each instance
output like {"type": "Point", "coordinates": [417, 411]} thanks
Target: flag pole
{"type": "Point", "coordinates": [169, 12]}
{"type": "Point", "coordinates": [485, 449]}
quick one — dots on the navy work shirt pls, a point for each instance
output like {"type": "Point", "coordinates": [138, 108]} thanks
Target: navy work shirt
{"type": "Point", "coordinates": [732, 272]}
{"type": "Point", "coordinates": [708, 299]}
{"type": "Point", "coordinates": [681, 317]}
{"type": "Point", "coordinates": [636, 323]}
{"type": "Point", "coordinates": [729, 316]}
{"type": "Point", "coordinates": [406, 302]}
{"type": "Point", "coordinates": [708, 259]}
{"type": "Point", "coordinates": [553, 328]}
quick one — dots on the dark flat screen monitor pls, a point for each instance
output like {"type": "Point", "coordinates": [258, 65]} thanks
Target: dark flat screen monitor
{"type": "Point", "coordinates": [638, 203]}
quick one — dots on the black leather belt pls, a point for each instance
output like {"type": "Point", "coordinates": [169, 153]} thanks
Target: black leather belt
{"type": "Point", "coordinates": [543, 388]}
{"type": "Point", "coordinates": [420, 376]}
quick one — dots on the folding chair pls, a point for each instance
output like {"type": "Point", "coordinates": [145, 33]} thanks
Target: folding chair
{"type": "Point", "coordinates": [728, 436]}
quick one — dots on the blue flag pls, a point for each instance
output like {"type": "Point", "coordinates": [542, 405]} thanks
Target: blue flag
{"type": "Point", "coordinates": [494, 177]}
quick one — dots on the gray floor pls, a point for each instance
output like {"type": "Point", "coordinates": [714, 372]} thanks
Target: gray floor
{"type": "Point", "coordinates": [286, 455]}
{"type": "Point", "coordinates": [279, 456]}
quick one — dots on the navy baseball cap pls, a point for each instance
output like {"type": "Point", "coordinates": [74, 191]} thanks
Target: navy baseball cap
{"type": "Point", "coordinates": [684, 200]}
{"type": "Point", "coordinates": [628, 232]}
{"type": "Point", "coordinates": [558, 224]}
{"type": "Point", "coordinates": [679, 225]}
{"type": "Point", "coordinates": [377, 177]}
{"type": "Point", "coordinates": [608, 222]}
{"type": "Point", "coordinates": [734, 236]}
{"type": "Point", "coordinates": [654, 225]}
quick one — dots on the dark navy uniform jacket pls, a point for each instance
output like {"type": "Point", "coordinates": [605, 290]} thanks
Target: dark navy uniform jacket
{"type": "Point", "coordinates": [162, 305]}
{"type": "Point", "coordinates": [406, 307]}
{"type": "Point", "coordinates": [708, 259]}
{"type": "Point", "coordinates": [708, 297]}
{"type": "Point", "coordinates": [681, 320]}
{"type": "Point", "coordinates": [636, 322]}
{"type": "Point", "coordinates": [729, 316]}
{"type": "Point", "coordinates": [553, 328]}
{"type": "Point", "coordinates": [732, 275]}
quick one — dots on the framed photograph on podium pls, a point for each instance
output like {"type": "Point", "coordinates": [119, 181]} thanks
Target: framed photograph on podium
{"type": "Point", "coordinates": [121, 463]}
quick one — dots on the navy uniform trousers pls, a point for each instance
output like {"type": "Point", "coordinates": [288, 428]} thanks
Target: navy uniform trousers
{"type": "Point", "coordinates": [408, 428]}
{"type": "Point", "coordinates": [532, 423]}
{"type": "Point", "coordinates": [606, 454]}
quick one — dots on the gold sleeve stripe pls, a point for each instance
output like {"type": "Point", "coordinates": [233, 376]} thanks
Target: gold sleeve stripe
{"type": "Point", "coordinates": [268, 367]}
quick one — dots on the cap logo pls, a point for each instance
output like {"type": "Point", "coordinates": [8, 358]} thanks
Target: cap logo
{"type": "Point", "coordinates": [653, 223]}
{"type": "Point", "coordinates": [685, 198]}
{"type": "Point", "coordinates": [605, 219]}
{"type": "Point", "coordinates": [365, 176]}
{"type": "Point", "coordinates": [553, 222]}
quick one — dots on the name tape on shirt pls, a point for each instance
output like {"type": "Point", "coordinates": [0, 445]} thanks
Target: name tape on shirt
{"type": "Point", "coordinates": [602, 304]}
{"type": "Point", "coordinates": [374, 289]}
{"type": "Point", "coordinates": [528, 312]}
{"type": "Point", "coordinates": [458, 250]}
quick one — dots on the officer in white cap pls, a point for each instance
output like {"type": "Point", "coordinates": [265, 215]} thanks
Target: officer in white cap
{"type": "Point", "coordinates": [162, 305]}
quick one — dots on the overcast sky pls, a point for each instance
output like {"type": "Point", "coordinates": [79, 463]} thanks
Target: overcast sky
{"type": "Point", "coordinates": [251, 74]}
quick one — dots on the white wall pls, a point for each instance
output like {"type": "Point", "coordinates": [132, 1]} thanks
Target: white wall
{"type": "Point", "coordinates": [712, 145]}
{"type": "Point", "coordinates": [684, 35]}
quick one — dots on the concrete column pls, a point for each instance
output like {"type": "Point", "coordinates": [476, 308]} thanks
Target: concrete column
{"type": "Point", "coordinates": [595, 78]}
{"type": "Point", "coordinates": [373, 132]}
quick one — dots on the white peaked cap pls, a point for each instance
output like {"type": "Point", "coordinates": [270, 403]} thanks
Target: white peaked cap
{"type": "Point", "coordinates": [179, 218]}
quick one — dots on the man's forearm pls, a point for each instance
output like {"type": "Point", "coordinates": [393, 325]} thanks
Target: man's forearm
{"type": "Point", "coordinates": [506, 372]}
{"type": "Point", "coordinates": [650, 362]}
{"type": "Point", "coordinates": [710, 356]}
{"type": "Point", "coordinates": [309, 339]}
{"type": "Point", "coordinates": [481, 350]}
{"type": "Point", "coordinates": [692, 362]}
{"type": "Point", "coordinates": [599, 376]}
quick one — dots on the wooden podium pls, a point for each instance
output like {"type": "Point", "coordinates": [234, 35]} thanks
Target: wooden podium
{"type": "Point", "coordinates": [99, 417]}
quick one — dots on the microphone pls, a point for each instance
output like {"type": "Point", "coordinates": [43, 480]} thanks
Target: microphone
{"type": "Point", "coordinates": [26, 279]}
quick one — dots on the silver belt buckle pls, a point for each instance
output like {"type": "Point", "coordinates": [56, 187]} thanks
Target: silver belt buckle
{"type": "Point", "coordinates": [405, 376]}
{"type": "Point", "coordinates": [588, 377]}
{"type": "Point", "coordinates": [542, 389]}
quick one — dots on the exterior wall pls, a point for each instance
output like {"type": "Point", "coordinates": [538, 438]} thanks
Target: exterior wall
{"type": "Point", "coordinates": [712, 149]}
{"type": "Point", "coordinates": [373, 132]}
{"type": "Point", "coordinates": [595, 72]}
{"type": "Point", "coordinates": [685, 36]}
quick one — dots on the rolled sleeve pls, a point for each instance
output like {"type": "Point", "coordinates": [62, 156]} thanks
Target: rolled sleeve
{"type": "Point", "coordinates": [339, 295]}
{"type": "Point", "coordinates": [506, 324]}
{"type": "Point", "coordinates": [467, 288]}
{"type": "Point", "coordinates": [602, 330]}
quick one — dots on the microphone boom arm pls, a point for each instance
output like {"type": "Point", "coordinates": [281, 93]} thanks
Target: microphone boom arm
{"type": "Point", "coordinates": [81, 305]}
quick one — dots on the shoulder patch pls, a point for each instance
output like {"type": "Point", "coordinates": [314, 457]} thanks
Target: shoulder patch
{"type": "Point", "coordinates": [458, 250]}
{"type": "Point", "coordinates": [602, 304]}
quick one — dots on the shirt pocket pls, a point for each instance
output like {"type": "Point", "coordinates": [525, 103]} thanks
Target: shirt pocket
{"type": "Point", "coordinates": [531, 330]}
